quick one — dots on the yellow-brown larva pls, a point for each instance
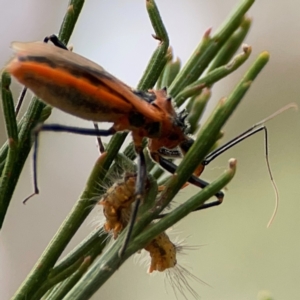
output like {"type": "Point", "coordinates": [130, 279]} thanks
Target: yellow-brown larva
{"type": "Point", "coordinates": [117, 204]}
{"type": "Point", "coordinates": [162, 252]}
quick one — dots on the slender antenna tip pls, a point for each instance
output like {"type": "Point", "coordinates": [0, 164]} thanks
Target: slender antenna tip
{"type": "Point", "coordinates": [276, 204]}
{"type": "Point", "coordinates": [278, 112]}
{"type": "Point", "coordinates": [30, 196]}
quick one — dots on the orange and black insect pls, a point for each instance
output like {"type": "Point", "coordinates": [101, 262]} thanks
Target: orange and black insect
{"type": "Point", "coordinates": [82, 88]}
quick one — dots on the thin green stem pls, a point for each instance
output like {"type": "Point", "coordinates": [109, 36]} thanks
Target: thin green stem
{"type": "Point", "coordinates": [97, 275]}
{"type": "Point", "coordinates": [197, 108]}
{"type": "Point", "coordinates": [169, 73]}
{"type": "Point", "coordinates": [70, 20]}
{"type": "Point", "coordinates": [213, 76]}
{"type": "Point", "coordinates": [210, 131]}
{"type": "Point", "coordinates": [49, 283]}
{"type": "Point", "coordinates": [46, 112]}
{"type": "Point", "coordinates": [183, 210]}
{"type": "Point", "coordinates": [200, 60]}
{"type": "Point", "coordinates": [68, 284]}
{"type": "Point", "coordinates": [97, 237]}
{"type": "Point", "coordinates": [83, 205]}
{"type": "Point", "coordinates": [159, 57]}
{"type": "Point", "coordinates": [86, 286]}
{"type": "Point", "coordinates": [231, 46]}
{"type": "Point", "coordinates": [32, 116]}
{"type": "Point", "coordinates": [9, 176]}
{"type": "Point", "coordinates": [34, 112]}
{"type": "Point", "coordinates": [8, 108]}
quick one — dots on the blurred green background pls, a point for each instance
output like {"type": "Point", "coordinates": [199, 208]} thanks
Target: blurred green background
{"type": "Point", "coordinates": [238, 256]}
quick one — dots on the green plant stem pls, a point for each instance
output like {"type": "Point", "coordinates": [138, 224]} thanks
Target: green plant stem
{"type": "Point", "coordinates": [157, 172]}
{"type": "Point", "coordinates": [8, 177]}
{"type": "Point", "coordinates": [208, 134]}
{"type": "Point", "coordinates": [169, 73]}
{"type": "Point", "coordinates": [214, 76]}
{"type": "Point", "coordinates": [155, 66]}
{"type": "Point", "coordinates": [82, 207]}
{"type": "Point", "coordinates": [49, 283]}
{"type": "Point", "coordinates": [199, 61]}
{"type": "Point", "coordinates": [183, 210]}
{"type": "Point", "coordinates": [91, 248]}
{"type": "Point", "coordinates": [32, 116]}
{"type": "Point", "coordinates": [70, 20]}
{"type": "Point", "coordinates": [197, 109]}
{"type": "Point", "coordinates": [35, 110]}
{"type": "Point", "coordinates": [63, 236]}
{"type": "Point", "coordinates": [8, 108]}
{"type": "Point", "coordinates": [11, 149]}
{"type": "Point", "coordinates": [46, 112]}
{"type": "Point", "coordinates": [231, 46]}
{"type": "Point", "coordinates": [68, 284]}
{"type": "Point", "coordinates": [97, 275]}
{"type": "Point", "coordinates": [159, 57]}
{"type": "Point", "coordinates": [210, 131]}
{"type": "Point", "coordinates": [97, 237]}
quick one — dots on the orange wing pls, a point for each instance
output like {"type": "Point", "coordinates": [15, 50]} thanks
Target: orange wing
{"type": "Point", "coordinates": [75, 84]}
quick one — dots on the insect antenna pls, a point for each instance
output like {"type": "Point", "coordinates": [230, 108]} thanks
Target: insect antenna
{"type": "Point", "coordinates": [246, 134]}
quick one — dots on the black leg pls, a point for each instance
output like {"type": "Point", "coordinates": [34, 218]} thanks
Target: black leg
{"type": "Point", "coordinates": [140, 189]}
{"type": "Point", "coordinates": [99, 141]}
{"type": "Point", "coordinates": [55, 40]}
{"type": "Point", "coordinates": [20, 100]}
{"type": "Point", "coordinates": [60, 128]}
{"type": "Point", "coordinates": [171, 167]}
{"type": "Point", "coordinates": [246, 134]}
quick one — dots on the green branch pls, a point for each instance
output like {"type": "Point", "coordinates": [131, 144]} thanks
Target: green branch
{"type": "Point", "coordinates": [74, 277]}
{"type": "Point", "coordinates": [201, 59]}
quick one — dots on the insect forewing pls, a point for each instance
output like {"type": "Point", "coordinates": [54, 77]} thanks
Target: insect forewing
{"type": "Point", "coordinates": [74, 84]}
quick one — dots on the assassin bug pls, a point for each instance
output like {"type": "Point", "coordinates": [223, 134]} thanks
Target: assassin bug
{"type": "Point", "coordinates": [82, 88]}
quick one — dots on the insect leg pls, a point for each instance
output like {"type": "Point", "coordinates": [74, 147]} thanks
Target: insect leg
{"type": "Point", "coordinates": [139, 190]}
{"type": "Point", "coordinates": [171, 167]}
{"type": "Point", "coordinates": [60, 128]}
{"type": "Point", "coordinates": [99, 141]}
{"type": "Point", "coordinates": [56, 41]}
{"type": "Point", "coordinates": [20, 100]}
{"type": "Point", "coordinates": [249, 132]}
